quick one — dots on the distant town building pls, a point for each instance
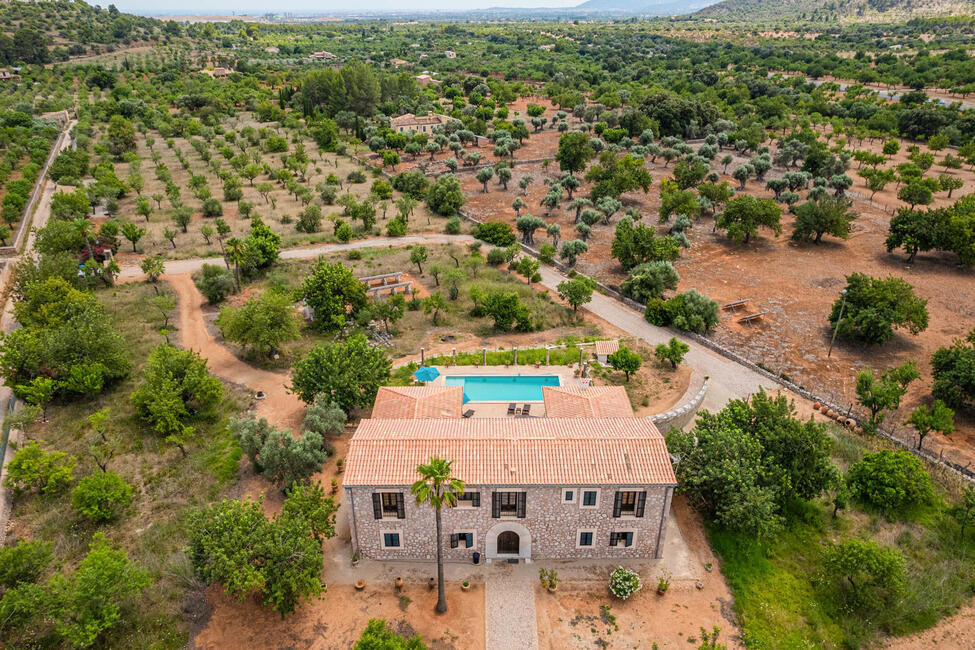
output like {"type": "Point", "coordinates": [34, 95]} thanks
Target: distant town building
{"type": "Point", "coordinates": [450, 54]}
{"type": "Point", "coordinates": [7, 75]}
{"type": "Point", "coordinates": [547, 48]}
{"type": "Point", "coordinates": [217, 73]}
{"type": "Point", "coordinates": [425, 80]}
{"type": "Point", "coordinates": [411, 123]}
{"type": "Point", "coordinates": [272, 50]}
{"type": "Point", "coordinates": [398, 63]}
{"type": "Point", "coordinates": [322, 56]}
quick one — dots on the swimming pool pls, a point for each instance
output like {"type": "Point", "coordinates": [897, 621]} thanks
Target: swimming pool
{"type": "Point", "coordinates": [509, 388]}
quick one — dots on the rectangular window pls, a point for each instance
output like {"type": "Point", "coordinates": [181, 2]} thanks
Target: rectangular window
{"type": "Point", "coordinates": [462, 540]}
{"type": "Point", "coordinates": [621, 539]}
{"type": "Point", "coordinates": [469, 500]}
{"type": "Point", "coordinates": [568, 496]}
{"type": "Point", "coordinates": [390, 504]}
{"type": "Point", "coordinates": [630, 502]}
{"type": "Point", "coordinates": [390, 540]}
{"type": "Point", "coordinates": [507, 504]}
{"type": "Point", "coordinates": [590, 498]}
{"type": "Point", "coordinates": [585, 539]}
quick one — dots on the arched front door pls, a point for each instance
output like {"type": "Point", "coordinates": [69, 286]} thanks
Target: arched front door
{"type": "Point", "coordinates": [508, 542]}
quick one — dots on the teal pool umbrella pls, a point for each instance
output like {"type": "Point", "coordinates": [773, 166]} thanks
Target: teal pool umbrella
{"type": "Point", "coordinates": [426, 373]}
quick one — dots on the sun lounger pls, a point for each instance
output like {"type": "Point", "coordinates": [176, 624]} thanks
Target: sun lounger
{"type": "Point", "coordinates": [527, 410]}
{"type": "Point", "coordinates": [468, 413]}
{"type": "Point", "coordinates": [511, 408]}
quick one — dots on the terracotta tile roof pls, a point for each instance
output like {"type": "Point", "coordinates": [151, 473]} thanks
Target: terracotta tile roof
{"type": "Point", "coordinates": [607, 347]}
{"type": "Point", "coordinates": [515, 451]}
{"type": "Point", "coordinates": [592, 402]}
{"type": "Point", "coordinates": [411, 402]}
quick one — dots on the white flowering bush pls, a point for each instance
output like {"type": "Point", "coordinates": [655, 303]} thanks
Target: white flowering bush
{"type": "Point", "coordinates": [624, 583]}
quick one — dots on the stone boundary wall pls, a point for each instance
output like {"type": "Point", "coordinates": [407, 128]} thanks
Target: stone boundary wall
{"type": "Point", "coordinates": [964, 471]}
{"type": "Point", "coordinates": [679, 416]}
{"type": "Point", "coordinates": [28, 215]}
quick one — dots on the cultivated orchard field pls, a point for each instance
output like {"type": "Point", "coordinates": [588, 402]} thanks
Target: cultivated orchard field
{"type": "Point", "coordinates": [670, 159]}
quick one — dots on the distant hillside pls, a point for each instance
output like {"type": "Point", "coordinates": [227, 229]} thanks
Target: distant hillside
{"type": "Point", "coordinates": [822, 10]}
{"type": "Point", "coordinates": [53, 30]}
{"type": "Point", "coordinates": [645, 7]}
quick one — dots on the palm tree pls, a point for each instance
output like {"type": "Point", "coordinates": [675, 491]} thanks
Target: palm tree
{"type": "Point", "coordinates": [236, 252]}
{"type": "Point", "coordinates": [438, 488]}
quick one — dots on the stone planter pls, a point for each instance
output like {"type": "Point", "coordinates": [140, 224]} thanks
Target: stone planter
{"type": "Point", "coordinates": [465, 586]}
{"type": "Point", "coordinates": [552, 590]}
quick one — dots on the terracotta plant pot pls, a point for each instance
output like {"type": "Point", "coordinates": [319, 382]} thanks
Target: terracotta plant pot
{"type": "Point", "coordinates": [398, 583]}
{"type": "Point", "coordinates": [360, 584]}
{"type": "Point", "coordinates": [465, 586]}
{"type": "Point", "coordinates": [817, 406]}
{"type": "Point", "coordinates": [661, 592]}
{"type": "Point", "coordinates": [432, 584]}
{"type": "Point", "coordinates": [552, 590]}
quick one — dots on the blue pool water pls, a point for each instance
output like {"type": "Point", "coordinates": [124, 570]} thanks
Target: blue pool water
{"type": "Point", "coordinates": [511, 388]}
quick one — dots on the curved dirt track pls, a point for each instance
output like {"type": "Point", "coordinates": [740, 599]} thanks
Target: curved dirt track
{"type": "Point", "coordinates": [280, 407]}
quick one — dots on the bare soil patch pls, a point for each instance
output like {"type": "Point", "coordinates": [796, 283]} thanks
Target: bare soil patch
{"type": "Point", "coordinates": [573, 618]}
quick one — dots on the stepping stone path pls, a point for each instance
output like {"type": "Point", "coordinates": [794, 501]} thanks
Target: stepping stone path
{"type": "Point", "coordinates": [509, 608]}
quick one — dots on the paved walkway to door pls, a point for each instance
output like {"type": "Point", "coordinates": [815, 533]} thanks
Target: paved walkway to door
{"type": "Point", "coordinates": [509, 608]}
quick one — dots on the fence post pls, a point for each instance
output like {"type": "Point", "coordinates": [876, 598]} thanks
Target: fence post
{"type": "Point", "coordinates": [484, 357]}
{"type": "Point", "coordinates": [422, 356]}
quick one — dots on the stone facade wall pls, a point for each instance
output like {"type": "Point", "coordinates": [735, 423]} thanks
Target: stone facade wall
{"type": "Point", "coordinates": [552, 525]}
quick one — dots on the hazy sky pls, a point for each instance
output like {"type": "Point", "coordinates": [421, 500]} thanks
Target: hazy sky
{"type": "Point", "coordinates": [254, 7]}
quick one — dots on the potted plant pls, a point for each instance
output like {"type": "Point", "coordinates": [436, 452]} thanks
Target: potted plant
{"type": "Point", "coordinates": [335, 486]}
{"type": "Point", "coordinates": [340, 465]}
{"type": "Point", "coordinates": [663, 585]}
{"type": "Point", "coordinates": [355, 559]}
{"type": "Point", "coordinates": [465, 586]}
{"type": "Point", "coordinates": [360, 584]}
{"type": "Point", "coordinates": [398, 583]}
{"type": "Point", "coordinates": [549, 579]}
{"type": "Point", "coordinates": [708, 567]}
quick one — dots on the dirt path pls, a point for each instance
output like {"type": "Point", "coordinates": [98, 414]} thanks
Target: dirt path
{"type": "Point", "coordinates": [178, 267]}
{"type": "Point", "coordinates": [956, 631]}
{"type": "Point", "coordinates": [280, 407]}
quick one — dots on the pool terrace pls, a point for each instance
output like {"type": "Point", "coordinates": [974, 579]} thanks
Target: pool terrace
{"type": "Point", "coordinates": [499, 408]}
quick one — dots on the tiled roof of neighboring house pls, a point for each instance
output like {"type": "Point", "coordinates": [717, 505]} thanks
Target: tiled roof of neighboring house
{"type": "Point", "coordinates": [515, 451]}
{"type": "Point", "coordinates": [409, 402]}
{"type": "Point", "coordinates": [592, 402]}
{"type": "Point", "coordinates": [607, 347]}
{"type": "Point", "coordinates": [409, 119]}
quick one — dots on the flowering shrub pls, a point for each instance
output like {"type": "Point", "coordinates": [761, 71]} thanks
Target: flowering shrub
{"type": "Point", "coordinates": [624, 583]}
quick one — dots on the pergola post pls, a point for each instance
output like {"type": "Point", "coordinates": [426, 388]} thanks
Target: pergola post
{"type": "Point", "coordinates": [422, 356]}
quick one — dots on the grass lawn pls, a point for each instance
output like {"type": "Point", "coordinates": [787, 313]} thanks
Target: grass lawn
{"type": "Point", "coordinates": [166, 485]}
{"type": "Point", "coordinates": [783, 602]}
